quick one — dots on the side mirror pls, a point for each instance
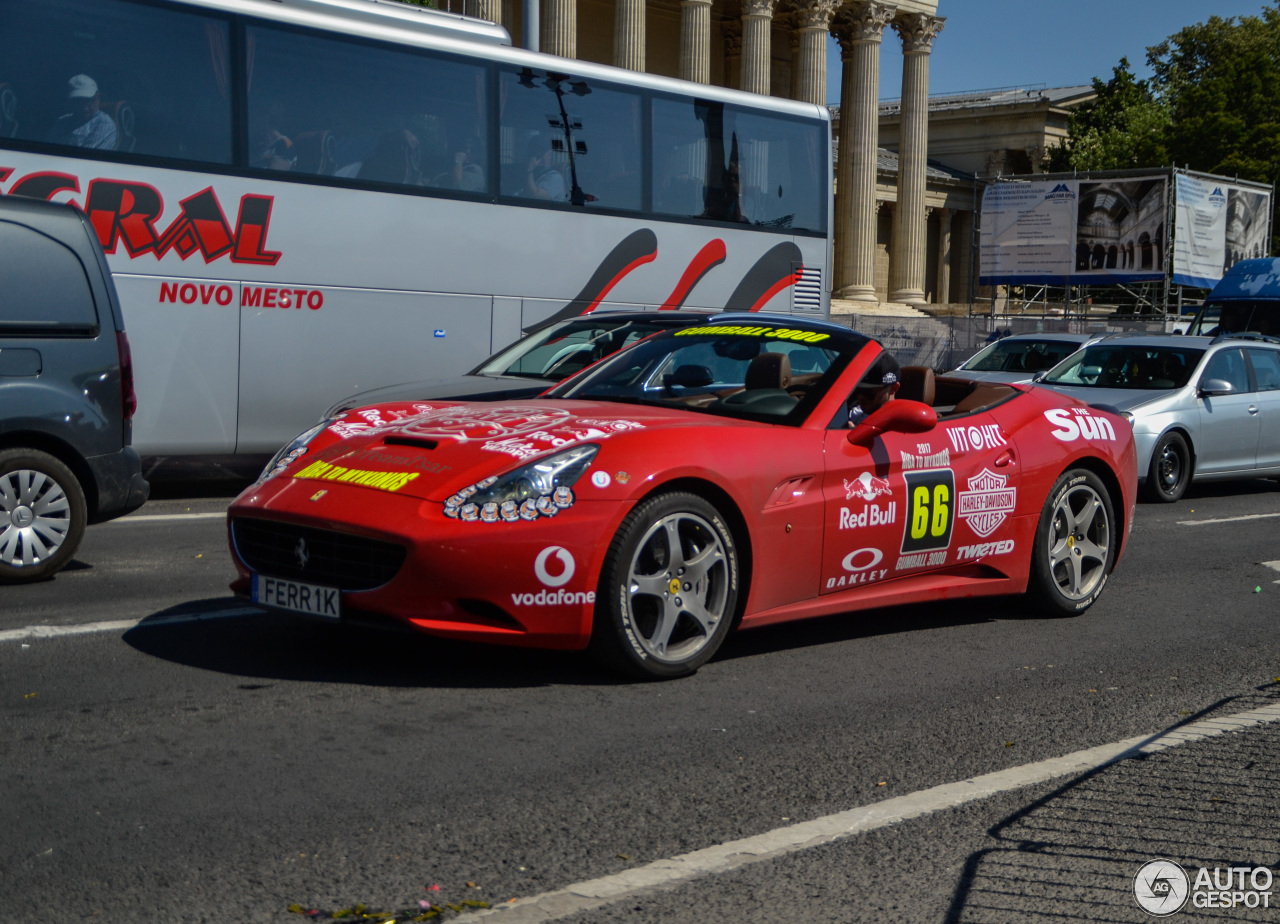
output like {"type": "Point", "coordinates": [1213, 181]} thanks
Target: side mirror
{"type": "Point", "coordinates": [901, 416]}
{"type": "Point", "coordinates": [1212, 387]}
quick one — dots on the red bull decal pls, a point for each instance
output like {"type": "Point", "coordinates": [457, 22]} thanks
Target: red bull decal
{"type": "Point", "coordinates": [124, 212]}
{"type": "Point", "coordinates": [866, 486]}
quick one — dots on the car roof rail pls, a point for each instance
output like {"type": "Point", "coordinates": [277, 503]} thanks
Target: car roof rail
{"type": "Point", "coordinates": [1245, 335]}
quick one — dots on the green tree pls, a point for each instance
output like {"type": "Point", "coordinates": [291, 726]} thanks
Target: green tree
{"type": "Point", "coordinates": [1221, 82]}
{"type": "Point", "coordinates": [1124, 126]}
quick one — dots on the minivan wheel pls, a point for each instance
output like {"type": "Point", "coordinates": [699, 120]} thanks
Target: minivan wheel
{"type": "Point", "coordinates": [42, 515]}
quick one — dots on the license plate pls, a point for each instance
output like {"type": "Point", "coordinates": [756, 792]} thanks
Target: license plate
{"type": "Point", "coordinates": [295, 596]}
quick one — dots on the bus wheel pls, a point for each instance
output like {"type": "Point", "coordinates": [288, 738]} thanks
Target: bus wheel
{"type": "Point", "coordinates": [42, 515]}
{"type": "Point", "coordinates": [668, 590]}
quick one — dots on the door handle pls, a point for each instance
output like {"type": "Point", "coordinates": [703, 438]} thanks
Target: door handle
{"type": "Point", "coordinates": [1253, 409]}
{"type": "Point", "coordinates": [1005, 458]}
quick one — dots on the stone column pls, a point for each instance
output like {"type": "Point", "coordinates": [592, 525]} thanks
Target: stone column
{"type": "Point", "coordinates": [486, 9]}
{"type": "Point", "coordinates": [757, 45]}
{"type": "Point", "coordinates": [560, 27]}
{"type": "Point", "coordinates": [732, 53]}
{"type": "Point", "coordinates": [859, 30]}
{"type": "Point", "coordinates": [906, 274]}
{"type": "Point", "coordinates": [813, 17]}
{"type": "Point", "coordinates": [628, 35]}
{"type": "Point", "coordinates": [944, 256]}
{"type": "Point", "coordinates": [695, 40]}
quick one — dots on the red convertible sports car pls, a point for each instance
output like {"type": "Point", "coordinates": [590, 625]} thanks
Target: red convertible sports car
{"type": "Point", "coordinates": [702, 479]}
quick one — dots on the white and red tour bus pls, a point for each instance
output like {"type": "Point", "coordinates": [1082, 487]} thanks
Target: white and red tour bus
{"type": "Point", "coordinates": [302, 199]}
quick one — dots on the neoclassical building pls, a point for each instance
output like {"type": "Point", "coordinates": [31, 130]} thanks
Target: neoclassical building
{"type": "Point", "coordinates": [779, 47]}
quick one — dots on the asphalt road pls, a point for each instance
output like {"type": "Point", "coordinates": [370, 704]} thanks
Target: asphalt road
{"type": "Point", "coordinates": [216, 764]}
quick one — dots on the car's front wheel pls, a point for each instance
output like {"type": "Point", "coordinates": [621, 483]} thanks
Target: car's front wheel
{"type": "Point", "coordinates": [668, 590]}
{"type": "Point", "coordinates": [42, 515]}
{"type": "Point", "coordinates": [1075, 544]}
{"type": "Point", "coordinates": [1170, 470]}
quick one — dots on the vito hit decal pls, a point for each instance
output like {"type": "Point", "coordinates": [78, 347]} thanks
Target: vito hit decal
{"type": "Point", "coordinates": [986, 436]}
{"type": "Point", "coordinates": [126, 212]}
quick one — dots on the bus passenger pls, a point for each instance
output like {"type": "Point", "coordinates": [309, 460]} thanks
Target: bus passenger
{"type": "Point", "coordinates": [544, 180]}
{"type": "Point", "coordinates": [395, 159]}
{"type": "Point", "coordinates": [466, 173]}
{"type": "Point", "coordinates": [86, 125]}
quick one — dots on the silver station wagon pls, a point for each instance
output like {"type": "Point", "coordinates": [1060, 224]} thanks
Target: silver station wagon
{"type": "Point", "coordinates": [1202, 409]}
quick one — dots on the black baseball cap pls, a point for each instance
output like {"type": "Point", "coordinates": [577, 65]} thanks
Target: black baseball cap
{"type": "Point", "coordinates": [884, 371]}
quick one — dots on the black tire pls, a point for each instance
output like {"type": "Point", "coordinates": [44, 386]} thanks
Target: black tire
{"type": "Point", "coordinates": [42, 515]}
{"type": "Point", "coordinates": [1170, 470]}
{"type": "Point", "coordinates": [650, 623]}
{"type": "Point", "coordinates": [1075, 545]}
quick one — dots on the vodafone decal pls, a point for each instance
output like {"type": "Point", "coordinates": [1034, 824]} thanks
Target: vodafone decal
{"type": "Point", "coordinates": [565, 568]}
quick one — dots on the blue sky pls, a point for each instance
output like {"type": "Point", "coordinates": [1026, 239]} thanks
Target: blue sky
{"type": "Point", "coordinates": [1002, 43]}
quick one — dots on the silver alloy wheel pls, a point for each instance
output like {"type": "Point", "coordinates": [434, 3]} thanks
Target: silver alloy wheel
{"type": "Point", "coordinates": [35, 517]}
{"type": "Point", "coordinates": [677, 587]}
{"type": "Point", "coordinates": [1079, 540]}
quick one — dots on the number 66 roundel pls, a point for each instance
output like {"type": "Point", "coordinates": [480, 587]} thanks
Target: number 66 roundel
{"type": "Point", "coordinates": [930, 504]}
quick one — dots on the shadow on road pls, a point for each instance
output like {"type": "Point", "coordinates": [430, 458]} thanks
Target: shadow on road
{"type": "Point", "coordinates": [228, 636]}
{"type": "Point", "coordinates": [1073, 855]}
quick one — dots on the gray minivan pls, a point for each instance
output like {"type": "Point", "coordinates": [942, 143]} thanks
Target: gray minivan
{"type": "Point", "coordinates": [66, 390]}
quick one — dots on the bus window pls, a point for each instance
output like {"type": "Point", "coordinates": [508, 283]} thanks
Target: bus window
{"type": "Point", "coordinates": [108, 75]}
{"type": "Point", "coordinates": [714, 161]}
{"type": "Point", "coordinates": [365, 112]}
{"type": "Point", "coordinates": [570, 140]}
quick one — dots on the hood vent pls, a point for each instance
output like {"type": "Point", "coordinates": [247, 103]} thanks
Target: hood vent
{"type": "Point", "coordinates": [419, 441]}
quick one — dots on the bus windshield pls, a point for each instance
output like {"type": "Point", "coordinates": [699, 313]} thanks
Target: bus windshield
{"type": "Point", "coordinates": [1237, 315]}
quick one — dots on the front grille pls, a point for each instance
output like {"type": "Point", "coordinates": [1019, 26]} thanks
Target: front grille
{"type": "Point", "coordinates": [331, 558]}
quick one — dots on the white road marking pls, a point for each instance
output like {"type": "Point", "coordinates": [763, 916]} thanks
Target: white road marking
{"type": "Point", "coordinates": [122, 625]}
{"type": "Point", "coordinates": [162, 517]}
{"type": "Point", "coordinates": [676, 871]}
{"type": "Point", "coordinates": [1274, 565]}
{"type": "Point", "coordinates": [1251, 516]}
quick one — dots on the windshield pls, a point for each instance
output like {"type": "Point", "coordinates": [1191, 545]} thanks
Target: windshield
{"type": "Point", "coordinates": [558, 351]}
{"type": "Point", "coordinates": [1020, 355]}
{"type": "Point", "coordinates": [1127, 366]}
{"type": "Point", "coordinates": [755, 373]}
{"type": "Point", "coordinates": [1234, 316]}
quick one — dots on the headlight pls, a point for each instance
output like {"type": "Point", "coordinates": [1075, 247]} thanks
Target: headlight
{"type": "Point", "coordinates": [540, 489]}
{"type": "Point", "coordinates": [294, 450]}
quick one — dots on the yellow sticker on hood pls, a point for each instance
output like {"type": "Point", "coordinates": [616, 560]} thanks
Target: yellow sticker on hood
{"type": "Point", "coordinates": [383, 481]}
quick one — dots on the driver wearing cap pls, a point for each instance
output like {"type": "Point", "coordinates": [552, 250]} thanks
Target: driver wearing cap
{"type": "Point", "coordinates": [876, 389]}
{"type": "Point", "coordinates": [86, 125]}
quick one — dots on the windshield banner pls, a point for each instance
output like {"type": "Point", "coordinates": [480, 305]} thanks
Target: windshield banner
{"type": "Point", "coordinates": [1218, 224]}
{"type": "Point", "coordinates": [1074, 232]}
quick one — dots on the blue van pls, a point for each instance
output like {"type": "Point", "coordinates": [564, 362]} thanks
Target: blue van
{"type": "Point", "coordinates": [1247, 298]}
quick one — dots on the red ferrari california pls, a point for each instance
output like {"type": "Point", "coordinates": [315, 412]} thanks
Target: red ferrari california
{"type": "Point", "coordinates": [701, 480]}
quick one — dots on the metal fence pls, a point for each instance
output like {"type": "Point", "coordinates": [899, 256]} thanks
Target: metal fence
{"type": "Point", "coordinates": [943, 343]}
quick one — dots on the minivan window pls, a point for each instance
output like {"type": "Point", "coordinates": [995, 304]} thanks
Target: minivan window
{"type": "Point", "coordinates": [42, 284]}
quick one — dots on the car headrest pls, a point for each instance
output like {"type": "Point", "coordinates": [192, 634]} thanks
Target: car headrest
{"type": "Point", "coordinates": [769, 370]}
{"type": "Point", "coordinates": [917, 384]}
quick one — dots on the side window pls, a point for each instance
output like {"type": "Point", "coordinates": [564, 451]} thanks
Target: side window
{"type": "Point", "coordinates": [1266, 368]}
{"type": "Point", "coordinates": [114, 76]}
{"type": "Point", "coordinates": [716, 161]}
{"type": "Point", "coordinates": [566, 139]}
{"type": "Point", "coordinates": [1228, 365]}
{"type": "Point", "coordinates": [42, 284]}
{"type": "Point", "coordinates": [365, 112]}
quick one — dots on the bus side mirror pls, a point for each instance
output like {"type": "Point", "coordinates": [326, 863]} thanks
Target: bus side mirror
{"type": "Point", "coordinates": [900, 416]}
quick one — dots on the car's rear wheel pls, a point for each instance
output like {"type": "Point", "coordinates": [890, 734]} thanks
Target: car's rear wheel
{"type": "Point", "coordinates": [668, 590]}
{"type": "Point", "coordinates": [1170, 470]}
{"type": "Point", "coordinates": [1075, 544]}
{"type": "Point", "coordinates": [42, 515]}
